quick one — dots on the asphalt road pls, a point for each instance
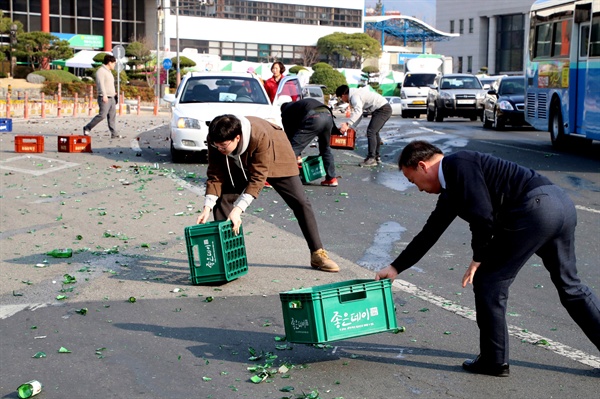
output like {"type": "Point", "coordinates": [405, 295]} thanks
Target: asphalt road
{"type": "Point", "coordinates": [123, 210]}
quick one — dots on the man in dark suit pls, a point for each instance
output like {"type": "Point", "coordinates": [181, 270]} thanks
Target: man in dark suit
{"type": "Point", "coordinates": [513, 212]}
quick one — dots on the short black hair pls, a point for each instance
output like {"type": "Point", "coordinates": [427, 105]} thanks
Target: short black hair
{"type": "Point", "coordinates": [415, 152]}
{"type": "Point", "coordinates": [341, 90]}
{"type": "Point", "coordinates": [108, 59]}
{"type": "Point", "coordinates": [223, 128]}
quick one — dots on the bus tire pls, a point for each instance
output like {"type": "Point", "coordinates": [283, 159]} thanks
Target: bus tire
{"type": "Point", "coordinates": [557, 129]}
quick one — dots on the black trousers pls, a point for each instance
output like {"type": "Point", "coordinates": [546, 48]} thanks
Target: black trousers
{"type": "Point", "coordinates": [316, 124]}
{"type": "Point", "coordinates": [543, 223]}
{"type": "Point", "coordinates": [292, 192]}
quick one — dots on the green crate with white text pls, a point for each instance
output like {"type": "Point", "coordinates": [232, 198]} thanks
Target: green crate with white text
{"type": "Point", "coordinates": [215, 253]}
{"type": "Point", "coordinates": [338, 311]}
{"type": "Point", "coordinates": [312, 168]}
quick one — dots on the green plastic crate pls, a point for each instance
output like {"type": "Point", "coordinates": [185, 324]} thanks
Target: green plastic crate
{"type": "Point", "coordinates": [215, 253]}
{"type": "Point", "coordinates": [338, 311]}
{"type": "Point", "coordinates": [312, 168]}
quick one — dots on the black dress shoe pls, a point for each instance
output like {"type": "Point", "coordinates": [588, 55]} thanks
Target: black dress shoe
{"type": "Point", "coordinates": [479, 367]}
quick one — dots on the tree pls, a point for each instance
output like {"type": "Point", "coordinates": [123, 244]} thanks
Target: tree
{"type": "Point", "coordinates": [5, 24]}
{"type": "Point", "coordinates": [310, 55]}
{"type": "Point", "coordinates": [329, 77]}
{"type": "Point", "coordinates": [41, 48]}
{"type": "Point", "coordinates": [184, 62]}
{"type": "Point", "coordinates": [350, 49]}
{"type": "Point", "coordinates": [138, 53]}
{"type": "Point", "coordinates": [378, 8]}
{"type": "Point", "coordinates": [369, 75]}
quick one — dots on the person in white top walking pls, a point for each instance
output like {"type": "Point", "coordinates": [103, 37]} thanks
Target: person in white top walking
{"type": "Point", "coordinates": [364, 99]}
{"type": "Point", "coordinates": [107, 96]}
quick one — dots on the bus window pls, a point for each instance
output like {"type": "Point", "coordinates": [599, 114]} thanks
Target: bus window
{"type": "Point", "coordinates": [595, 39]}
{"type": "Point", "coordinates": [562, 39]}
{"type": "Point", "coordinates": [584, 39]}
{"type": "Point", "coordinates": [543, 40]}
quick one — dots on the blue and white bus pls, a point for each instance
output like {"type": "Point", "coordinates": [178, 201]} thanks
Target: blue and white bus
{"type": "Point", "coordinates": [563, 69]}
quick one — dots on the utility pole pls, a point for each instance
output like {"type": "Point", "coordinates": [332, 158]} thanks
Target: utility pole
{"type": "Point", "coordinates": [177, 39]}
{"type": "Point", "coordinates": [13, 42]}
{"type": "Point", "coordinates": [159, 18]}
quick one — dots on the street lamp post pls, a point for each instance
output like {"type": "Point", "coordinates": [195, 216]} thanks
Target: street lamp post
{"type": "Point", "coordinates": [13, 41]}
{"type": "Point", "coordinates": [178, 80]}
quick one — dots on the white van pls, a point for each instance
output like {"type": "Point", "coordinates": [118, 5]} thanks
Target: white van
{"type": "Point", "coordinates": [413, 94]}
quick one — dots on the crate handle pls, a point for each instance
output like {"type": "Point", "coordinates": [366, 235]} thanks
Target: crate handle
{"type": "Point", "coordinates": [295, 304]}
{"type": "Point", "coordinates": [353, 296]}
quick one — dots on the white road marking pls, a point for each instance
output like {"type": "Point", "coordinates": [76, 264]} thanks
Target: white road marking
{"type": "Point", "coordinates": [62, 165]}
{"type": "Point", "coordinates": [519, 332]}
{"type": "Point", "coordinates": [9, 310]}
{"type": "Point", "coordinates": [584, 208]}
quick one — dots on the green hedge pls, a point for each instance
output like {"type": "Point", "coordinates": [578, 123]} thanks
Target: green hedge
{"type": "Point", "coordinates": [57, 76]}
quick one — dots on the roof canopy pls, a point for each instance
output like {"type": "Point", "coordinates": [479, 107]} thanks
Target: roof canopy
{"type": "Point", "coordinates": [407, 28]}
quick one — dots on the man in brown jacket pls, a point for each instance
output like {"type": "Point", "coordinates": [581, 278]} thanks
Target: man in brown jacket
{"type": "Point", "coordinates": [245, 152]}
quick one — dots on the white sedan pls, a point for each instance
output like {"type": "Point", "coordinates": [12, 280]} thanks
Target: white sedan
{"type": "Point", "coordinates": [202, 96]}
{"type": "Point", "coordinates": [395, 103]}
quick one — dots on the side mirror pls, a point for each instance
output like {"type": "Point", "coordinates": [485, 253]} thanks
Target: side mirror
{"type": "Point", "coordinates": [170, 98]}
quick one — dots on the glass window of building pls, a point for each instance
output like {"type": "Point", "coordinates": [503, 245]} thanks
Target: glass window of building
{"type": "Point", "coordinates": [461, 26]}
{"type": "Point", "coordinates": [471, 25]}
{"type": "Point", "coordinates": [510, 39]}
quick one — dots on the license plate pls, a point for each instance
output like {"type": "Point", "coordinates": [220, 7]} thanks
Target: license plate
{"type": "Point", "coordinates": [418, 102]}
{"type": "Point", "coordinates": [465, 101]}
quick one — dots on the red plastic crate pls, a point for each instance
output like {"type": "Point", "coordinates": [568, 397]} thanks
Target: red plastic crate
{"type": "Point", "coordinates": [29, 143]}
{"type": "Point", "coordinates": [343, 141]}
{"type": "Point", "coordinates": [74, 144]}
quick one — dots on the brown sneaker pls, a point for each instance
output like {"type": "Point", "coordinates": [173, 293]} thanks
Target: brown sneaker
{"type": "Point", "coordinates": [320, 260]}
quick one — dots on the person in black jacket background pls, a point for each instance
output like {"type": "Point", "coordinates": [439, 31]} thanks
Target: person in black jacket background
{"type": "Point", "coordinates": [304, 120]}
{"type": "Point", "coordinates": [513, 212]}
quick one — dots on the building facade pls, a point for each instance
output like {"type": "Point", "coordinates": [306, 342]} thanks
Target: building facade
{"type": "Point", "coordinates": [258, 31]}
{"type": "Point", "coordinates": [492, 34]}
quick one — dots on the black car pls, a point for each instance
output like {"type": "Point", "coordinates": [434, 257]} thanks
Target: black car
{"type": "Point", "coordinates": [504, 104]}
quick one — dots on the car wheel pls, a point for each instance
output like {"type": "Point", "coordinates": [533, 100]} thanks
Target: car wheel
{"type": "Point", "coordinates": [430, 115]}
{"type": "Point", "coordinates": [177, 156]}
{"type": "Point", "coordinates": [486, 122]}
{"type": "Point", "coordinates": [404, 114]}
{"type": "Point", "coordinates": [557, 130]}
{"type": "Point", "coordinates": [438, 115]}
{"type": "Point", "coordinates": [473, 117]}
{"type": "Point", "coordinates": [498, 123]}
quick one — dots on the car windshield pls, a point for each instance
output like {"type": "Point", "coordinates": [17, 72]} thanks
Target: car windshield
{"type": "Point", "coordinates": [512, 87]}
{"type": "Point", "coordinates": [418, 79]}
{"type": "Point", "coordinates": [216, 89]}
{"type": "Point", "coordinates": [460, 82]}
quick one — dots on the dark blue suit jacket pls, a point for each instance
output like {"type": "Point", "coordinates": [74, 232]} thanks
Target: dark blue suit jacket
{"type": "Point", "coordinates": [479, 189]}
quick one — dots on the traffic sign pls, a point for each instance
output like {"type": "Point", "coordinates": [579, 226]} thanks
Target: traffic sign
{"type": "Point", "coordinates": [119, 67]}
{"type": "Point", "coordinates": [167, 63]}
{"type": "Point", "coordinates": [118, 51]}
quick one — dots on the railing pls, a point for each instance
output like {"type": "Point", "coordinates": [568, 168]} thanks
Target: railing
{"type": "Point", "coordinates": [63, 106]}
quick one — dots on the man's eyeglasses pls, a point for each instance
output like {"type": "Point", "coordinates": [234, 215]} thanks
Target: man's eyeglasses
{"type": "Point", "coordinates": [221, 147]}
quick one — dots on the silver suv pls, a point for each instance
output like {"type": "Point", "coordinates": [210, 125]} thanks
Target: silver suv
{"type": "Point", "coordinates": [457, 94]}
{"type": "Point", "coordinates": [314, 91]}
